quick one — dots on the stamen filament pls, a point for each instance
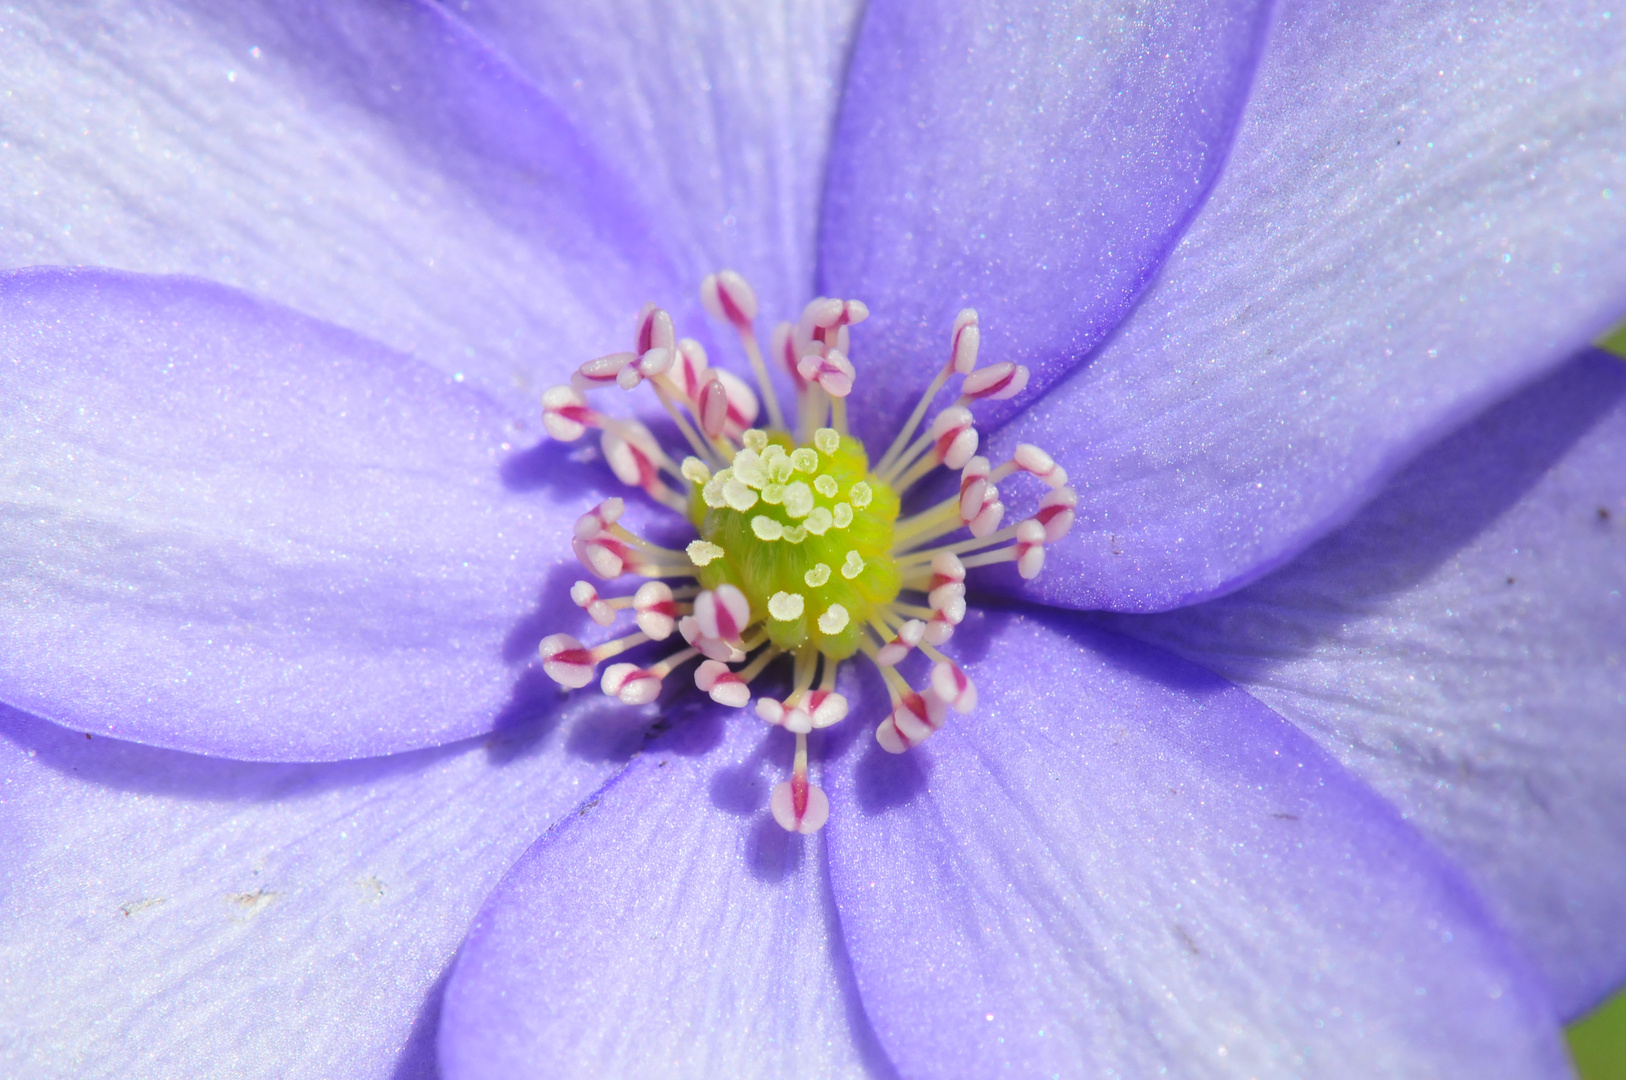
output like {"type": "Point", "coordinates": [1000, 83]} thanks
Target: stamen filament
{"type": "Point", "coordinates": [753, 352]}
{"type": "Point", "coordinates": [890, 457]}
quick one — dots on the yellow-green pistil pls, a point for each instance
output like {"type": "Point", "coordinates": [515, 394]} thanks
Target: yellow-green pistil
{"type": "Point", "coordinates": [804, 532]}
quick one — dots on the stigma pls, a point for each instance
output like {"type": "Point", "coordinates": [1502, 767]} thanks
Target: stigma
{"type": "Point", "coordinates": [802, 556]}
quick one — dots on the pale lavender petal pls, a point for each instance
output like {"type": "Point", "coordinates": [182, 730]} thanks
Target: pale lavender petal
{"type": "Point", "coordinates": [669, 929]}
{"type": "Point", "coordinates": [372, 164]}
{"type": "Point", "coordinates": [1460, 645]}
{"type": "Point", "coordinates": [1422, 212]}
{"type": "Point", "coordinates": [1123, 866]}
{"type": "Point", "coordinates": [718, 114]}
{"type": "Point", "coordinates": [163, 915]}
{"type": "Point", "coordinates": [1034, 161]}
{"type": "Point", "coordinates": [231, 529]}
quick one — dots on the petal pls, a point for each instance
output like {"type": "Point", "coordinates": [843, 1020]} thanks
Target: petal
{"type": "Point", "coordinates": [374, 165]}
{"type": "Point", "coordinates": [1035, 162]}
{"type": "Point", "coordinates": [1459, 645]}
{"type": "Point", "coordinates": [234, 530]}
{"type": "Point", "coordinates": [1125, 867]}
{"type": "Point", "coordinates": [671, 928]}
{"type": "Point", "coordinates": [172, 916]}
{"type": "Point", "coordinates": [1419, 216]}
{"type": "Point", "coordinates": [718, 114]}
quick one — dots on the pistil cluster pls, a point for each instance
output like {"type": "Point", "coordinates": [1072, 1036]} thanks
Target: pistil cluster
{"type": "Point", "coordinates": [801, 554]}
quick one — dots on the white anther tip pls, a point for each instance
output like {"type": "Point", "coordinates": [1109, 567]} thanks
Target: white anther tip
{"type": "Point", "coordinates": [565, 661]}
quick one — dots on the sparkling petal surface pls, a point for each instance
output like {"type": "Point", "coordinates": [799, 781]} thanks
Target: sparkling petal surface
{"type": "Point", "coordinates": [1034, 161]}
{"type": "Point", "coordinates": [168, 916]}
{"type": "Point", "coordinates": [1459, 644]}
{"type": "Point", "coordinates": [1421, 213]}
{"type": "Point", "coordinates": [670, 929]}
{"type": "Point", "coordinates": [1123, 866]}
{"type": "Point", "coordinates": [233, 530]}
{"type": "Point", "coordinates": [372, 164]}
{"type": "Point", "coordinates": [718, 114]}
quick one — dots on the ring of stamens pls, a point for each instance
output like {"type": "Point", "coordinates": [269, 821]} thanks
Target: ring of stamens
{"type": "Point", "coordinates": [801, 552]}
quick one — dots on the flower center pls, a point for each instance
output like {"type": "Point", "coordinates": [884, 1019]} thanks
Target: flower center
{"type": "Point", "coordinates": [804, 532]}
{"type": "Point", "coordinates": [801, 553]}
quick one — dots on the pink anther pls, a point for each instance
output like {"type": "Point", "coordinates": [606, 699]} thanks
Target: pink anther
{"type": "Point", "coordinates": [656, 610]}
{"type": "Point", "coordinates": [955, 440]}
{"type": "Point", "coordinates": [728, 297]}
{"type": "Point", "coordinates": [911, 723]}
{"type": "Point", "coordinates": [631, 462]}
{"type": "Point", "coordinates": [995, 382]}
{"type": "Point", "coordinates": [588, 599]}
{"type": "Point", "coordinates": [655, 330]}
{"type": "Point", "coordinates": [821, 313]}
{"type": "Point", "coordinates": [723, 612]}
{"type": "Point", "coordinates": [1056, 512]}
{"type": "Point", "coordinates": [833, 372]}
{"type": "Point", "coordinates": [742, 403]}
{"type": "Point", "coordinates": [784, 347]}
{"type": "Point", "coordinates": [941, 596]}
{"type": "Point", "coordinates": [714, 405]}
{"type": "Point", "coordinates": [909, 634]}
{"type": "Point", "coordinates": [566, 661]}
{"type": "Point", "coordinates": [726, 688]}
{"type": "Point", "coordinates": [599, 519]}
{"type": "Point", "coordinates": [953, 687]}
{"type": "Point", "coordinates": [715, 648]}
{"type": "Point", "coordinates": [799, 806]}
{"type": "Point", "coordinates": [946, 616]}
{"type": "Point", "coordinates": [565, 413]}
{"type": "Point", "coordinates": [1034, 460]}
{"type": "Point", "coordinates": [946, 567]}
{"type": "Point", "coordinates": [601, 371]}
{"type": "Point", "coordinates": [656, 361]}
{"type": "Point", "coordinates": [606, 556]}
{"type": "Point", "coordinates": [688, 371]}
{"type": "Point", "coordinates": [826, 707]}
{"type": "Point", "coordinates": [631, 684]}
{"type": "Point", "coordinates": [1029, 549]}
{"type": "Point", "coordinates": [967, 337]}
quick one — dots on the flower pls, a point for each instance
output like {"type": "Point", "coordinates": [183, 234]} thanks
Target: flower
{"type": "Point", "coordinates": [242, 532]}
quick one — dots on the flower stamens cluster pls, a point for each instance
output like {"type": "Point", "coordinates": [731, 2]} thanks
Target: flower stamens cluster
{"type": "Point", "coordinates": [802, 553]}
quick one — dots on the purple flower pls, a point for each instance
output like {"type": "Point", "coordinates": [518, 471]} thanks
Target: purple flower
{"type": "Point", "coordinates": [1305, 293]}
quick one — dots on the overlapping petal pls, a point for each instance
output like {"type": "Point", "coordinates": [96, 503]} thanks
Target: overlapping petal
{"type": "Point", "coordinates": [376, 165]}
{"type": "Point", "coordinates": [234, 530]}
{"type": "Point", "coordinates": [1459, 644]}
{"type": "Point", "coordinates": [1125, 866]}
{"type": "Point", "coordinates": [1418, 216]}
{"type": "Point", "coordinates": [669, 929]}
{"type": "Point", "coordinates": [164, 915]}
{"type": "Point", "coordinates": [718, 114]}
{"type": "Point", "coordinates": [1034, 161]}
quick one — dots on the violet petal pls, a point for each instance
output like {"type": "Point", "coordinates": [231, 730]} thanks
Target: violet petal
{"type": "Point", "coordinates": [1417, 218]}
{"type": "Point", "coordinates": [1125, 866]}
{"type": "Point", "coordinates": [718, 114]}
{"type": "Point", "coordinates": [1459, 645]}
{"type": "Point", "coordinates": [234, 530]}
{"type": "Point", "coordinates": [669, 928]}
{"type": "Point", "coordinates": [1034, 161]}
{"type": "Point", "coordinates": [172, 916]}
{"type": "Point", "coordinates": [376, 165]}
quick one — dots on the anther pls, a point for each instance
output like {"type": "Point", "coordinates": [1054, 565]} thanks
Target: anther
{"type": "Point", "coordinates": [833, 372]}
{"type": "Point", "coordinates": [963, 351]}
{"type": "Point", "coordinates": [728, 297]}
{"type": "Point", "coordinates": [994, 383]}
{"type": "Point", "coordinates": [630, 684]}
{"type": "Point", "coordinates": [656, 610]}
{"type": "Point", "coordinates": [909, 634]}
{"type": "Point", "coordinates": [566, 661]}
{"type": "Point", "coordinates": [565, 413]}
{"type": "Point", "coordinates": [952, 687]}
{"type": "Point", "coordinates": [725, 687]}
{"type": "Point", "coordinates": [911, 723]}
{"type": "Point", "coordinates": [1056, 512]}
{"type": "Point", "coordinates": [587, 598]}
{"type": "Point", "coordinates": [714, 405]}
{"type": "Point", "coordinates": [722, 613]}
{"type": "Point", "coordinates": [1032, 459]}
{"type": "Point", "coordinates": [797, 804]}
{"type": "Point", "coordinates": [601, 371]}
{"type": "Point", "coordinates": [955, 440]}
{"type": "Point", "coordinates": [1030, 537]}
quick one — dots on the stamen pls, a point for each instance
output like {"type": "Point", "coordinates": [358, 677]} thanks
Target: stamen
{"type": "Point", "coordinates": [728, 297]}
{"type": "Point", "coordinates": [798, 805]}
{"type": "Point", "coordinates": [962, 358]}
